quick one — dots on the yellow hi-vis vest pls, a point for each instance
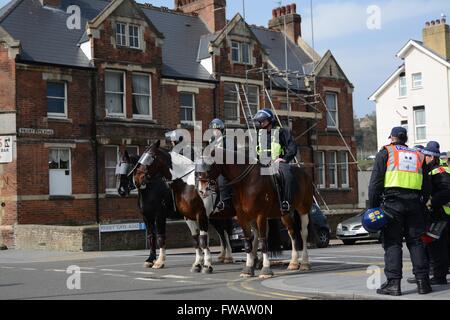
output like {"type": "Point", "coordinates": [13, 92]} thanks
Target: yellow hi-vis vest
{"type": "Point", "coordinates": [276, 150]}
{"type": "Point", "coordinates": [439, 171]}
{"type": "Point", "coordinates": [404, 168]}
{"type": "Point", "coordinates": [443, 162]}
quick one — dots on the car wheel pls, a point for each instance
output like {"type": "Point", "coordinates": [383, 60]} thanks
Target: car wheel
{"type": "Point", "coordinates": [323, 238]}
{"type": "Point", "coordinates": [349, 242]}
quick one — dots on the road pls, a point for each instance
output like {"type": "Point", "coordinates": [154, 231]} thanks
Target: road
{"type": "Point", "coordinates": [337, 272]}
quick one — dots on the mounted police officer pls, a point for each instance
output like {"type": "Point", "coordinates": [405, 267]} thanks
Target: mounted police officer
{"type": "Point", "coordinates": [282, 150]}
{"type": "Point", "coordinates": [396, 185]}
{"type": "Point", "coordinates": [219, 139]}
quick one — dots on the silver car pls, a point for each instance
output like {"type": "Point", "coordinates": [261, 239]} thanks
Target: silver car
{"type": "Point", "coordinates": [351, 230]}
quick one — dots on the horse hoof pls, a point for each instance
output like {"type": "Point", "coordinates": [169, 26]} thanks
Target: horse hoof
{"type": "Point", "coordinates": [293, 266]}
{"type": "Point", "coordinates": [158, 266]}
{"type": "Point", "coordinates": [305, 267]}
{"type": "Point", "coordinates": [221, 259]}
{"type": "Point", "coordinates": [207, 270]}
{"type": "Point", "coordinates": [266, 273]}
{"type": "Point", "coordinates": [196, 269]}
{"type": "Point", "coordinates": [228, 260]}
{"type": "Point", "coordinates": [148, 264]}
{"type": "Point", "coordinates": [247, 272]}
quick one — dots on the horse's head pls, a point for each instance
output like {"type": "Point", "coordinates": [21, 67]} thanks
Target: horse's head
{"type": "Point", "coordinates": [206, 173]}
{"type": "Point", "coordinates": [122, 171]}
{"type": "Point", "coordinates": [153, 162]}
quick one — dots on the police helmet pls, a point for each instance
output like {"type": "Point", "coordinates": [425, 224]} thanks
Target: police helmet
{"type": "Point", "coordinates": [174, 136]}
{"type": "Point", "coordinates": [217, 124]}
{"type": "Point", "coordinates": [264, 114]}
{"type": "Point", "coordinates": [374, 220]}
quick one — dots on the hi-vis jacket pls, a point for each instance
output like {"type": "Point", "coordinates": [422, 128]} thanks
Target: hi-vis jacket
{"type": "Point", "coordinates": [440, 184]}
{"type": "Point", "coordinates": [403, 168]}
{"type": "Point", "coordinates": [281, 145]}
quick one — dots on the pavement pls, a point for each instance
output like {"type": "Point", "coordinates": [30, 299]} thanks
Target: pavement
{"type": "Point", "coordinates": [338, 272]}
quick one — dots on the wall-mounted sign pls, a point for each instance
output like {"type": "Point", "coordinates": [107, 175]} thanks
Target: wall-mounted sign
{"type": "Point", "coordinates": [122, 227]}
{"type": "Point", "coordinates": [6, 149]}
{"type": "Point", "coordinates": [47, 132]}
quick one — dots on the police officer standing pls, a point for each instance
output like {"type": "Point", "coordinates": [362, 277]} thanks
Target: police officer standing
{"type": "Point", "coordinates": [282, 151]}
{"type": "Point", "coordinates": [440, 207]}
{"type": "Point", "coordinates": [396, 185]}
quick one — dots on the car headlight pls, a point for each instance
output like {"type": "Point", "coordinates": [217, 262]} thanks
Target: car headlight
{"type": "Point", "coordinates": [339, 227]}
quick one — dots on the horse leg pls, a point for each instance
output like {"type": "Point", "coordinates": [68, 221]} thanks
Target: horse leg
{"type": "Point", "coordinates": [305, 265]}
{"type": "Point", "coordinates": [218, 226]}
{"type": "Point", "coordinates": [151, 240]}
{"type": "Point", "coordinates": [249, 269]}
{"type": "Point", "coordinates": [161, 238]}
{"type": "Point", "coordinates": [257, 261]}
{"type": "Point", "coordinates": [228, 229]}
{"type": "Point", "coordinates": [193, 227]}
{"type": "Point", "coordinates": [288, 223]}
{"type": "Point", "coordinates": [204, 245]}
{"type": "Point", "coordinates": [266, 271]}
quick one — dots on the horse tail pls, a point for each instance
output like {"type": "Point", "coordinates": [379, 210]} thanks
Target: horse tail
{"type": "Point", "coordinates": [274, 237]}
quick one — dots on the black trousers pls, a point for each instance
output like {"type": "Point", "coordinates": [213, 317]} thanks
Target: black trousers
{"type": "Point", "coordinates": [408, 221]}
{"type": "Point", "coordinates": [438, 249]}
{"type": "Point", "coordinates": [226, 192]}
{"type": "Point", "coordinates": [287, 182]}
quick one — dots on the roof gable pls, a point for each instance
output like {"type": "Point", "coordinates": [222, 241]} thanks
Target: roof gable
{"type": "Point", "coordinates": [419, 46]}
{"type": "Point", "coordinates": [383, 87]}
{"type": "Point", "coordinates": [123, 8]}
{"type": "Point", "coordinates": [328, 67]}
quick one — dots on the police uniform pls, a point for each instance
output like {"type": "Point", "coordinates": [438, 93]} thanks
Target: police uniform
{"type": "Point", "coordinates": [440, 202]}
{"type": "Point", "coordinates": [396, 185]}
{"type": "Point", "coordinates": [281, 146]}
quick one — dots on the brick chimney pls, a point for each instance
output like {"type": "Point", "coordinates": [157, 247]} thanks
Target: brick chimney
{"type": "Point", "coordinates": [436, 36]}
{"type": "Point", "coordinates": [51, 3]}
{"type": "Point", "coordinates": [212, 12]}
{"type": "Point", "coordinates": [293, 21]}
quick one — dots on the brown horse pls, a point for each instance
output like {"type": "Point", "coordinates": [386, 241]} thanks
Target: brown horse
{"type": "Point", "coordinates": [255, 200]}
{"type": "Point", "coordinates": [187, 200]}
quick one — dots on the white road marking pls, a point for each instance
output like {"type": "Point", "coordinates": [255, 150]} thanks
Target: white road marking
{"type": "Point", "coordinates": [56, 270]}
{"type": "Point", "coordinates": [184, 281]}
{"type": "Point", "coordinates": [81, 271]}
{"type": "Point", "coordinates": [28, 269]}
{"type": "Point", "coordinates": [115, 275]}
{"type": "Point", "coordinates": [172, 276]}
{"type": "Point", "coordinates": [111, 270]}
{"type": "Point", "coordinates": [147, 279]}
{"type": "Point", "coordinates": [87, 268]}
{"type": "Point", "coordinates": [7, 267]}
{"type": "Point", "coordinates": [142, 272]}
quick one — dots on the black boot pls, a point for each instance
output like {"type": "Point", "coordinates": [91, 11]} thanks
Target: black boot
{"type": "Point", "coordinates": [423, 286]}
{"type": "Point", "coordinates": [391, 288]}
{"type": "Point", "coordinates": [411, 280]}
{"type": "Point", "coordinates": [438, 281]}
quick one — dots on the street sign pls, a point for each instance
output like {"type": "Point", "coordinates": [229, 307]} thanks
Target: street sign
{"type": "Point", "coordinates": [122, 227]}
{"type": "Point", "coordinates": [6, 149]}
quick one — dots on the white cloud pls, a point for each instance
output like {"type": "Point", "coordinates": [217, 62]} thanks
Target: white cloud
{"type": "Point", "coordinates": [342, 18]}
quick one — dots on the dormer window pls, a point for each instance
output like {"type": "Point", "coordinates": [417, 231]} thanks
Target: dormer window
{"type": "Point", "coordinates": [240, 52]}
{"type": "Point", "coordinates": [127, 35]}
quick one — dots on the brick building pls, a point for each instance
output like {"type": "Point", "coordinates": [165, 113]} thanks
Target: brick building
{"type": "Point", "coordinates": [83, 80]}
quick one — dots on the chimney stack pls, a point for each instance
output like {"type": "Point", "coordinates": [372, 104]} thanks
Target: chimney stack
{"type": "Point", "coordinates": [436, 37]}
{"type": "Point", "coordinates": [212, 12]}
{"type": "Point", "coordinates": [293, 21]}
{"type": "Point", "coordinates": [51, 3]}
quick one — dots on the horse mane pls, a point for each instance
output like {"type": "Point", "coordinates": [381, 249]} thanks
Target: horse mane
{"type": "Point", "coordinates": [166, 156]}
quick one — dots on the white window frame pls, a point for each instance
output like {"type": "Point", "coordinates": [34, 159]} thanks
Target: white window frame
{"type": "Point", "coordinates": [193, 107]}
{"type": "Point", "coordinates": [257, 96]}
{"type": "Point", "coordinates": [336, 124]}
{"type": "Point", "coordinates": [150, 106]}
{"type": "Point", "coordinates": [69, 168]}
{"type": "Point", "coordinates": [321, 154]}
{"type": "Point", "coordinates": [236, 45]}
{"type": "Point", "coordinates": [335, 185]}
{"type": "Point", "coordinates": [130, 27]}
{"type": "Point", "coordinates": [415, 83]}
{"type": "Point", "coordinates": [124, 93]}
{"type": "Point", "coordinates": [416, 126]}
{"type": "Point", "coordinates": [122, 35]}
{"type": "Point", "coordinates": [56, 115]}
{"type": "Point", "coordinates": [404, 124]}
{"type": "Point", "coordinates": [109, 190]}
{"type": "Point", "coordinates": [402, 86]}
{"type": "Point", "coordinates": [342, 166]}
{"type": "Point", "coordinates": [238, 120]}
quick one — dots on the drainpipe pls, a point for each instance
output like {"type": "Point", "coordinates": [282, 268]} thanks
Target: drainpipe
{"type": "Point", "coordinates": [95, 143]}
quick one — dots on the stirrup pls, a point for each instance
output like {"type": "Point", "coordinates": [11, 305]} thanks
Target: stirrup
{"type": "Point", "coordinates": [220, 206]}
{"type": "Point", "coordinates": [285, 207]}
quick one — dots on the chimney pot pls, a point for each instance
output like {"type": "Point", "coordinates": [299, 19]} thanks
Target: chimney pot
{"type": "Point", "coordinates": [274, 13]}
{"type": "Point", "coordinates": [433, 23]}
{"type": "Point", "coordinates": [283, 11]}
{"type": "Point", "coordinates": [294, 8]}
{"type": "Point", "coordinates": [438, 21]}
{"type": "Point", "coordinates": [288, 9]}
{"type": "Point", "coordinates": [427, 24]}
{"type": "Point", "coordinates": [278, 12]}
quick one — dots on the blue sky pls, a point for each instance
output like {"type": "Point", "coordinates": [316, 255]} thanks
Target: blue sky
{"type": "Point", "coordinates": [366, 55]}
